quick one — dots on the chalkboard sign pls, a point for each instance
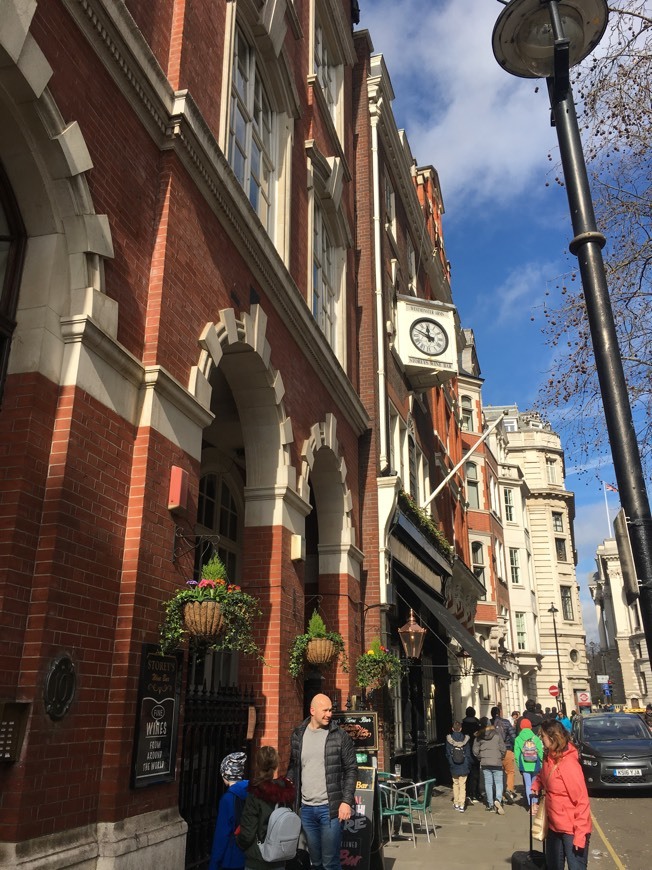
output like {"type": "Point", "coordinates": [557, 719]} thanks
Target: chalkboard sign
{"type": "Point", "coordinates": [358, 831]}
{"type": "Point", "coordinates": [362, 727]}
{"type": "Point", "coordinates": [157, 719]}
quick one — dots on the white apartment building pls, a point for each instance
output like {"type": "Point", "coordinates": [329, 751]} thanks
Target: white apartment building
{"type": "Point", "coordinates": [622, 642]}
{"type": "Point", "coordinates": [538, 513]}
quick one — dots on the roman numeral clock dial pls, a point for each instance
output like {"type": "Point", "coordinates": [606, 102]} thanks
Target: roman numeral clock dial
{"type": "Point", "coordinates": [428, 336]}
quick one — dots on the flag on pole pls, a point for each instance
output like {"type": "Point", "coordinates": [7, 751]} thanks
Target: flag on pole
{"type": "Point", "coordinates": [609, 487]}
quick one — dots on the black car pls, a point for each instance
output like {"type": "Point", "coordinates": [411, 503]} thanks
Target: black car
{"type": "Point", "coordinates": [615, 750]}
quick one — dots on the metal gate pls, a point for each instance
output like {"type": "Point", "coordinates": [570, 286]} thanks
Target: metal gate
{"type": "Point", "coordinates": [215, 723]}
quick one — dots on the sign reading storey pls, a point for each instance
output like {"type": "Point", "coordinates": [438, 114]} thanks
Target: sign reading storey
{"type": "Point", "coordinates": [157, 718]}
{"type": "Point", "coordinates": [362, 728]}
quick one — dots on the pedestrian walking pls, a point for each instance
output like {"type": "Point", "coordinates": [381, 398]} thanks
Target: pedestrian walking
{"type": "Point", "coordinates": [470, 725]}
{"type": "Point", "coordinates": [226, 854]}
{"type": "Point", "coordinates": [458, 755]}
{"type": "Point", "coordinates": [507, 732]}
{"type": "Point", "coordinates": [266, 791]}
{"type": "Point", "coordinates": [565, 721]}
{"type": "Point", "coordinates": [324, 770]}
{"type": "Point", "coordinates": [489, 749]}
{"type": "Point", "coordinates": [648, 716]}
{"type": "Point", "coordinates": [528, 756]}
{"type": "Point", "coordinates": [568, 809]}
{"type": "Point", "coordinates": [530, 713]}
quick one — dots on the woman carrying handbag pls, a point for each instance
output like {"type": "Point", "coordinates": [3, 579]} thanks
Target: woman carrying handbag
{"type": "Point", "coordinates": [568, 813]}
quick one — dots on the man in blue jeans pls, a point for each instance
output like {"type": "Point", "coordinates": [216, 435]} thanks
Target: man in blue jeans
{"type": "Point", "coordinates": [324, 771]}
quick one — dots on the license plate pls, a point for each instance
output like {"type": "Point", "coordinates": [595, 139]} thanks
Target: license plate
{"type": "Point", "coordinates": [628, 771]}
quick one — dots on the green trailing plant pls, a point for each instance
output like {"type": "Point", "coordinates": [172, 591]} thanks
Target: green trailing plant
{"type": "Point", "coordinates": [316, 629]}
{"type": "Point", "coordinates": [239, 610]}
{"type": "Point", "coordinates": [426, 525]}
{"type": "Point", "coordinates": [378, 666]}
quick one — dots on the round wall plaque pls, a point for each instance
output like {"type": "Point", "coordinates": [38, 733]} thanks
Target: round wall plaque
{"type": "Point", "coordinates": [60, 686]}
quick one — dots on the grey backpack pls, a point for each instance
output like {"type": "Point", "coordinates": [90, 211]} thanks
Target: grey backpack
{"type": "Point", "coordinates": [282, 837]}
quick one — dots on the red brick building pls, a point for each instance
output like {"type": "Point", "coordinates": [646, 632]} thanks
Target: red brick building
{"type": "Point", "coordinates": [201, 348]}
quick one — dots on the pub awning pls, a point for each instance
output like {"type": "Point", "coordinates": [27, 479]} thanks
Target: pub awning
{"type": "Point", "coordinates": [483, 660]}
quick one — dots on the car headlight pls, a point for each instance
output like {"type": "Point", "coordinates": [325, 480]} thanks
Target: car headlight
{"type": "Point", "coordinates": [588, 760]}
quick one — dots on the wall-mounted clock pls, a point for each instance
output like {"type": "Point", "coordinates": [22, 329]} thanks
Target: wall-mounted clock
{"type": "Point", "coordinates": [429, 336]}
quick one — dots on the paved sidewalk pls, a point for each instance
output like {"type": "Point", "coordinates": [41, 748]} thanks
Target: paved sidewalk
{"type": "Point", "coordinates": [473, 840]}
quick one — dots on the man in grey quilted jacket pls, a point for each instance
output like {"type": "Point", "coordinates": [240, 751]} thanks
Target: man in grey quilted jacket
{"type": "Point", "coordinates": [324, 771]}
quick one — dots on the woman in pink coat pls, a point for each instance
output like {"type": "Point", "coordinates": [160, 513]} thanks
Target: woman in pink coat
{"type": "Point", "coordinates": [567, 800]}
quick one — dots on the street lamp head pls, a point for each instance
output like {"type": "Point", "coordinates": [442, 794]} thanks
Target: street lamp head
{"type": "Point", "coordinates": [412, 637]}
{"type": "Point", "coordinates": [552, 609]}
{"type": "Point", "coordinates": [523, 41]}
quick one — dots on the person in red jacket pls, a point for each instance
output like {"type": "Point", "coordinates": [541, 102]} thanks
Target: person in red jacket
{"type": "Point", "coordinates": [567, 800]}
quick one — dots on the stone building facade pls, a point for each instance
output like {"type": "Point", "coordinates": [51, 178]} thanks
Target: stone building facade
{"type": "Point", "coordinates": [217, 251]}
{"type": "Point", "coordinates": [533, 447]}
{"type": "Point", "coordinates": [622, 653]}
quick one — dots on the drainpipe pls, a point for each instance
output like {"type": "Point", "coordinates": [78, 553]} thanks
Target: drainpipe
{"type": "Point", "coordinates": [380, 316]}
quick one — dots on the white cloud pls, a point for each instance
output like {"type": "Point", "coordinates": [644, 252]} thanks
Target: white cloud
{"type": "Point", "coordinates": [604, 461]}
{"type": "Point", "coordinates": [483, 129]}
{"type": "Point", "coordinates": [519, 293]}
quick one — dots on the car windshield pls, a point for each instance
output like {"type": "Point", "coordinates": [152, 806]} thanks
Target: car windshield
{"type": "Point", "coordinates": [615, 729]}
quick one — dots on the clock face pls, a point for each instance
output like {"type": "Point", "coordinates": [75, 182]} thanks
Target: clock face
{"type": "Point", "coordinates": [428, 336]}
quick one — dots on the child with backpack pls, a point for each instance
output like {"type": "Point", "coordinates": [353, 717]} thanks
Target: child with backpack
{"type": "Point", "coordinates": [528, 755]}
{"type": "Point", "coordinates": [269, 829]}
{"type": "Point", "coordinates": [458, 755]}
{"type": "Point", "coordinates": [225, 854]}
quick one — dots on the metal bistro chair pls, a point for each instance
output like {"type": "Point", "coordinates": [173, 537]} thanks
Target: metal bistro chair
{"type": "Point", "coordinates": [390, 810]}
{"type": "Point", "coordinates": [418, 797]}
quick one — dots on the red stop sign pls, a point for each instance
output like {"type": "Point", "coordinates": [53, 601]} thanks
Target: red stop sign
{"type": "Point", "coordinates": [554, 691]}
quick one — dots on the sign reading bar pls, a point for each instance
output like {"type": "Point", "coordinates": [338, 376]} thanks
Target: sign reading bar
{"type": "Point", "coordinates": [362, 728]}
{"type": "Point", "coordinates": [157, 718]}
{"type": "Point", "coordinates": [357, 832]}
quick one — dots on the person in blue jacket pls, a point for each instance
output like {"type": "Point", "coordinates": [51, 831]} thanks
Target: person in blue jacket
{"type": "Point", "coordinates": [458, 755]}
{"type": "Point", "coordinates": [226, 854]}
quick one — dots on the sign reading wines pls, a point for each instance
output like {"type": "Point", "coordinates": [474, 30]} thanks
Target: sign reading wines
{"type": "Point", "coordinates": [157, 720]}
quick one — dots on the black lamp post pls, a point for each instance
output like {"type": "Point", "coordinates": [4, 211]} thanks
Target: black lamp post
{"type": "Point", "coordinates": [412, 637]}
{"type": "Point", "coordinates": [543, 39]}
{"type": "Point", "coordinates": [560, 685]}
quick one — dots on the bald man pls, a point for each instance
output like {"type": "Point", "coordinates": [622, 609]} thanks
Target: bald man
{"type": "Point", "coordinates": [324, 771]}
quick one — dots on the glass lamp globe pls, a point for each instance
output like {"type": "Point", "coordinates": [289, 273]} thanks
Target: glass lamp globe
{"type": "Point", "coordinates": [523, 37]}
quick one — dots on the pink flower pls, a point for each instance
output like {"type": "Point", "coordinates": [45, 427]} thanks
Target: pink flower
{"type": "Point", "coordinates": [203, 584]}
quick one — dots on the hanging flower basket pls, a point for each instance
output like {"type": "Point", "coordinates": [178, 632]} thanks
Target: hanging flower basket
{"type": "Point", "coordinates": [320, 651]}
{"type": "Point", "coordinates": [378, 666]}
{"type": "Point", "coordinates": [203, 619]}
{"type": "Point", "coordinates": [213, 611]}
{"type": "Point", "coordinates": [317, 646]}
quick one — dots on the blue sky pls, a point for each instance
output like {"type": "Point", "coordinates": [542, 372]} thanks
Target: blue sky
{"type": "Point", "coordinates": [506, 225]}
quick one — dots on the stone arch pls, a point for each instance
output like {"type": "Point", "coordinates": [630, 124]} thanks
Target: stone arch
{"type": "Point", "coordinates": [241, 350]}
{"type": "Point", "coordinates": [324, 467]}
{"type": "Point", "coordinates": [45, 159]}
